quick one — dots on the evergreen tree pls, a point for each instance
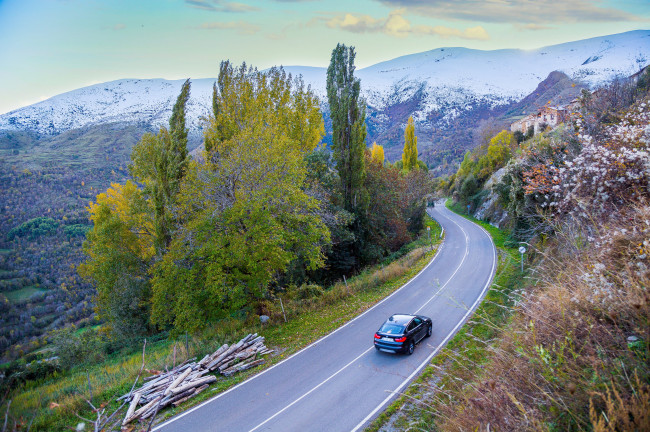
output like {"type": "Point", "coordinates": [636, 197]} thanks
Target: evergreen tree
{"type": "Point", "coordinates": [410, 154]}
{"type": "Point", "coordinates": [348, 114]}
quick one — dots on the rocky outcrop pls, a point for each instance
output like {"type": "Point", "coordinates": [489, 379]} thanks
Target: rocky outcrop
{"type": "Point", "coordinates": [490, 209]}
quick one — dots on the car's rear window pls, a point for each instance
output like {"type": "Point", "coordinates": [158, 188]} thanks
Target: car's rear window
{"type": "Point", "coordinates": [392, 328]}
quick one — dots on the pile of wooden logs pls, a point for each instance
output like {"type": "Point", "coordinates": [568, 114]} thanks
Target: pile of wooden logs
{"type": "Point", "coordinates": [190, 378]}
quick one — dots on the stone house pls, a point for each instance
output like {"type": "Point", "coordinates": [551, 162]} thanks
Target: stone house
{"type": "Point", "coordinates": [546, 117]}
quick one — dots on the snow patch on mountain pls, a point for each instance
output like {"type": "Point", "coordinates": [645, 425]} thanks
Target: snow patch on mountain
{"type": "Point", "coordinates": [444, 81]}
{"type": "Point", "coordinates": [128, 100]}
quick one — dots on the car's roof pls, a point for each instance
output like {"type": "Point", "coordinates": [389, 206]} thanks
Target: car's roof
{"type": "Point", "coordinates": [401, 319]}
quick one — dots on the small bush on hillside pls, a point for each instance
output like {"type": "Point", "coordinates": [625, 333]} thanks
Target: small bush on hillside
{"type": "Point", "coordinates": [307, 291]}
{"type": "Point", "coordinates": [89, 347]}
{"type": "Point", "coordinates": [34, 228]}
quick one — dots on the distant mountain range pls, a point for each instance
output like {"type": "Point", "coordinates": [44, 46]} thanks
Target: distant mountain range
{"type": "Point", "coordinates": [437, 87]}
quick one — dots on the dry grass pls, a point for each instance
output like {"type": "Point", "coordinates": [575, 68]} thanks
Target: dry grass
{"type": "Point", "coordinates": [565, 362]}
{"type": "Point", "coordinates": [366, 281]}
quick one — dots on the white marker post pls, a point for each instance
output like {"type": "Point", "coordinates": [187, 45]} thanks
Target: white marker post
{"type": "Point", "coordinates": [429, 235]}
{"type": "Point", "coordinates": [522, 251]}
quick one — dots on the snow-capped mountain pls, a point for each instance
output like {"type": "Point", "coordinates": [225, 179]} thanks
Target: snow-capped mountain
{"type": "Point", "coordinates": [461, 77]}
{"type": "Point", "coordinates": [444, 81]}
{"type": "Point", "coordinates": [127, 100]}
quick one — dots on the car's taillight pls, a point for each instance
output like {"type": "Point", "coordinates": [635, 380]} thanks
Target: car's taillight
{"type": "Point", "coordinates": [377, 336]}
{"type": "Point", "coordinates": [402, 339]}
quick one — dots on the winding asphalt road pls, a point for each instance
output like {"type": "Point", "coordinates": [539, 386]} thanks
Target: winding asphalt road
{"type": "Point", "coordinates": [340, 382]}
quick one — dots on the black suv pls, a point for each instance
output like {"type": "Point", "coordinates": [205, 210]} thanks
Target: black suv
{"type": "Point", "coordinates": [401, 332]}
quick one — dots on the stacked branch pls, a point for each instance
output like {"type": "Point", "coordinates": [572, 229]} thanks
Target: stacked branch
{"type": "Point", "coordinates": [190, 378]}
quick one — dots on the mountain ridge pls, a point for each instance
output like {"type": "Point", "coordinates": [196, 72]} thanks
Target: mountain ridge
{"type": "Point", "coordinates": [438, 86]}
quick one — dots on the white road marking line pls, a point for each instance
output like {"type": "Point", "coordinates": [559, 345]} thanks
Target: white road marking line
{"type": "Point", "coordinates": [454, 273]}
{"type": "Point", "coordinates": [442, 344]}
{"type": "Point", "coordinates": [369, 349]}
{"type": "Point", "coordinates": [408, 379]}
{"type": "Point", "coordinates": [191, 410]}
{"type": "Point", "coordinates": [310, 391]}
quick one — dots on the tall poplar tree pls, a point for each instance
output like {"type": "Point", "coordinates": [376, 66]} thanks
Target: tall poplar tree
{"type": "Point", "coordinates": [348, 114]}
{"type": "Point", "coordinates": [177, 128]}
{"type": "Point", "coordinates": [377, 153]}
{"type": "Point", "coordinates": [160, 162]}
{"type": "Point", "coordinates": [215, 100]}
{"type": "Point", "coordinates": [208, 141]}
{"type": "Point", "coordinates": [133, 227]}
{"type": "Point", "coordinates": [410, 154]}
{"type": "Point", "coordinates": [228, 76]}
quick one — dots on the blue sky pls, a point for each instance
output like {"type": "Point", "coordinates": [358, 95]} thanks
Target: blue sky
{"type": "Point", "coordinates": [51, 46]}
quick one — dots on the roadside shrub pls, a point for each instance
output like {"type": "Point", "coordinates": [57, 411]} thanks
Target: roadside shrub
{"type": "Point", "coordinates": [611, 171]}
{"type": "Point", "coordinates": [307, 291]}
{"type": "Point", "coordinates": [86, 348]}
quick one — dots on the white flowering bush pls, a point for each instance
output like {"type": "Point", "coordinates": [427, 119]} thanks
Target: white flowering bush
{"type": "Point", "coordinates": [609, 172]}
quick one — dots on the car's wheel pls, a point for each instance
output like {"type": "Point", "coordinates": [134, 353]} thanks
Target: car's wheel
{"type": "Point", "coordinates": [411, 348]}
{"type": "Point", "coordinates": [430, 330]}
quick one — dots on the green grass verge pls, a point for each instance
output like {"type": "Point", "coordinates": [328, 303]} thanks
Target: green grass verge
{"type": "Point", "coordinates": [307, 323]}
{"type": "Point", "coordinates": [415, 409]}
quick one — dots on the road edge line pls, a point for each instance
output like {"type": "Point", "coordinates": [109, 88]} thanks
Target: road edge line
{"type": "Point", "coordinates": [194, 408]}
{"type": "Point", "coordinates": [444, 342]}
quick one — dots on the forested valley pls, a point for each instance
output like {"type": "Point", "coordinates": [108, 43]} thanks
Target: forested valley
{"type": "Point", "coordinates": [180, 245]}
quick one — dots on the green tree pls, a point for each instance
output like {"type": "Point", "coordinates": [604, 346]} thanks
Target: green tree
{"type": "Point", "coordinates": [348, 114]}
{"type": "Point", "coordinates": [34, 228]}
{"type": "Point", "coordinates": [410, 153]}
{"type": "Point", "coordinates": [468, 188]}
{"type": "Point", "coordinates": [246, 215]}
{"type": "Point", "coordinates": [215, 100]}
{"type": "Point", "coordinates": [118, 251]}
{"type": "Point", "coordinates": [418, 186]}
{"type": "Point", "coordinates": [159, 162]}
{"type": "Point", "coordinates": [387, 224]}
{"type": "Point", "coordinates": [178, 132]}
{"type": "Point", "coordinates": [500, 149]}
{"type": "Point", "coordinates": [466, 166]}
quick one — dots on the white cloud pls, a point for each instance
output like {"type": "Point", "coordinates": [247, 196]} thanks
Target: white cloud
{"type": "Point", "coordinates": [515, 11]}
{"type": "Point", "coordinates": [242, 27]}
{"type": "Point", "coordinates": [532, 26]}
{"type": "Point", "coordinates": [220, 6]}
{"type": "Point", "coordinates": [398, 26]}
